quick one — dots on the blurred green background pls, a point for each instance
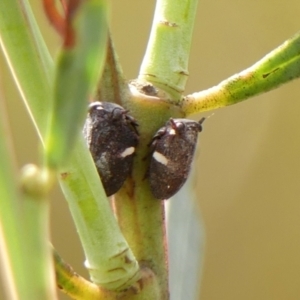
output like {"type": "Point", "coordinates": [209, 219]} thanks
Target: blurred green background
{"type": "Point", "coordinates": [249, 169]}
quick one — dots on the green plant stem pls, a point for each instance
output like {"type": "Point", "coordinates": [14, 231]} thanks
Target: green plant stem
{"type": "Point", "coordinates": [35, 185]}
{"type": "Point", "coordinates": [165, 63]}
{"type": "Point", "coordinates": [28, 58]}
{"type": "Point", "coordinates": [74, 285]}
{"type": "Point", "coordinates": [279, 66]}
{"type": "Point", "coordinates": [78, 288]}
{"type": "Point", "coordinates": [24, 230]}
{"type": "Point", "coordinates": [78, 69]}
{"type": "Point", "coordinates": [109, 260]}
{"type": "Point", "coordinates": [148, 242]}
{"type": "Point", "coordinates": [13, 266]}
{"type": "Point", "coordinates": [140, 216]}
{"type": "Point", "coordinates": [105, 248]}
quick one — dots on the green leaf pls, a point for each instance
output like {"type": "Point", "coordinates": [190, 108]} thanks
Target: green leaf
{"type": "Point", "coordinates": [28, 58]}
{"type": "Point", "coordinates": [78, 69]}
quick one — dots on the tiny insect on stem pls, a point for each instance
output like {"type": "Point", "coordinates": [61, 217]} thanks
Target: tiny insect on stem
{"type": "Point", "coordinates": [112, 136]}
{"type": "Point", "coordinates": [173, 148]}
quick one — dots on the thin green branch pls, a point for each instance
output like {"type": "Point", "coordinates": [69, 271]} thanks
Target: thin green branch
{"type": "Point", "coordinates": [279, 66]}
{"type": "Point", "coordinates": [165, 62]}
{"type": "Point", "coordinates": [74, 285]}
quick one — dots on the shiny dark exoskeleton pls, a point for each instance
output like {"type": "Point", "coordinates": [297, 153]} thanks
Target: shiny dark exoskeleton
{"type": "Point", "coordinates": [173, 148]}
{"type": "Point", "coordinates": [111, 135]}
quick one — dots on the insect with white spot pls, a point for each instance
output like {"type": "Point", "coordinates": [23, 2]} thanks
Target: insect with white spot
{"type": "Point", "coordinates": [173, 148]}
{"type": "Point", "coordinates": [111, 135]}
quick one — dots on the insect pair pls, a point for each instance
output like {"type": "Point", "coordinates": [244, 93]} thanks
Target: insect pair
{"type": "Point", "coordinates": [112, 137]}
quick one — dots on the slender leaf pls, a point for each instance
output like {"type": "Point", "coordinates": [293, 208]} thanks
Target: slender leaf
{"type": "Point", "coordinates": [78, 69]}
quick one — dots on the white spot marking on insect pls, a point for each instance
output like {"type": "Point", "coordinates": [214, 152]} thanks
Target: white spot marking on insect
{"type": "Point", "coordinates": [172, 131]}
{"type": "Point", "coordinates": [127, 151]}
{"type": "Point", "coordinates": [160, 158]}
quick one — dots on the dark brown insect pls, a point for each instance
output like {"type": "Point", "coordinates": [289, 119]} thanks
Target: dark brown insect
{"type": "Point", "coordinates": [173, 148]}
{"type": "Point", "coordinates": [112, 136]}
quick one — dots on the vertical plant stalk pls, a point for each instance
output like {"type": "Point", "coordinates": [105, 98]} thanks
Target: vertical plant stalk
{"type": "Point", "coordinates": [28, 58]}
{"type": "Point", "coordinates": [35, 186]}
{"type": "Point", "coordinates": [24, 229]}
{"type": "Point", "coordinates": [13, 268]}
{"type": "Point", "coordinates": [165, 63]}
{"type": "Point", "coordinates": [141, 219]}
{"type": "Point", "coordinates": [109, 259]}
{"type": "Point", "coordinates": [140, 216]}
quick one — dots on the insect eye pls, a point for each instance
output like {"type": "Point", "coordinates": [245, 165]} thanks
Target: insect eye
{"type": "Point", "coordinates": [180, 126]}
